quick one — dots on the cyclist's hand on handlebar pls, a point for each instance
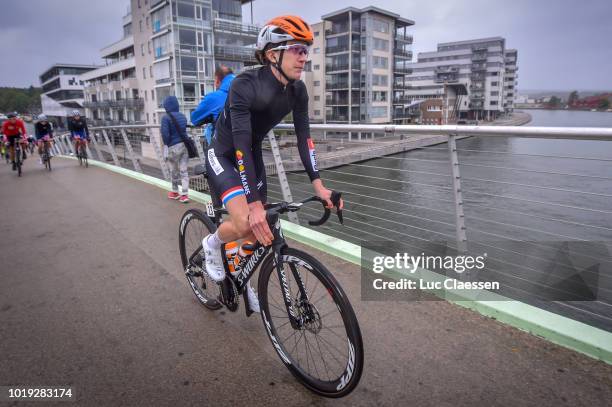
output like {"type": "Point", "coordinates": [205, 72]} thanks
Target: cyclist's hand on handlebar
{"type": "Point", "coordinates": [259, 224]}
{"type": "Point", "coordinates": [326, 194]}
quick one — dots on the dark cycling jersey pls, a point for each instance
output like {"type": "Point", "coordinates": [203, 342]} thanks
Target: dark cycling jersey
{"type": "Point", "coordinates": [256, 103]}
{"type": "Point", "coordinates": [43, 129]}
{"type": "Point", "coordinates": [78, 127]}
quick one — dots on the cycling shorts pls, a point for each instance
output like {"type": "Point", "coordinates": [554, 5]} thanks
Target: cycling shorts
{"type": "Point", "coordinates": [80, 135]}
{"type": "Point", "coordinates": [12, 139]}
{"type": "Point", "coordinates": [224, 179]}
{"type": "Point", "coordinates": [44, 137]}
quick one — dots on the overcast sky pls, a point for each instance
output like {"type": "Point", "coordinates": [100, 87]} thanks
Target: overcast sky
{"type": "Point", "coordinates": [562, 44]}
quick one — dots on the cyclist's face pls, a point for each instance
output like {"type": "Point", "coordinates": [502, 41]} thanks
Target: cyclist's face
{"type": "Point", "coordinates": [294, 59]}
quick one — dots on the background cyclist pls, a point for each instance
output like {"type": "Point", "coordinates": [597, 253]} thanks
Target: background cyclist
{"type": "Point", "coordinates": [78, 129]}
{"type": "Point", "coordinates": [44, 133]}
{"type": "Point", "coordinates": [13, 130]}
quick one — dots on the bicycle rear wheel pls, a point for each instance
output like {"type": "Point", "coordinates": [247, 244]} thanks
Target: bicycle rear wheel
{"type": "Point", "coordinates": [194, 226]}
{"type": "Point", "coordinates": [325, 353]}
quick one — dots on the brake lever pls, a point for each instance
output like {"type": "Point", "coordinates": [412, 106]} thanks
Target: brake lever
{"type": "Point", "coordinates": [335, 198]}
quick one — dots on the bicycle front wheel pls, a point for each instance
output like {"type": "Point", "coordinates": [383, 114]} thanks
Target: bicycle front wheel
{"type": "Point", "coordinates": [195, 226]}
{"type": "Point", "coordinates": [325, 351]}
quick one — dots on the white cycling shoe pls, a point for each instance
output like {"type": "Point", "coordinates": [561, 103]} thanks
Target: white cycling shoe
{"type": "Point", "coordinates": [253, 300]}
{"type": "Point", "coordinates": [213, 260]}
{"type": "Point", "coordinates": [215, 270]}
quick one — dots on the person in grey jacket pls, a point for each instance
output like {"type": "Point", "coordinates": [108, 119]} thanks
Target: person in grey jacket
{"type": "Point", "coordinates": [177, 152]}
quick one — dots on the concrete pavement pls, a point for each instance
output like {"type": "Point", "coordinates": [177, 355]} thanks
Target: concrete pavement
{"type": "Point", "coordinates": [92, 296]}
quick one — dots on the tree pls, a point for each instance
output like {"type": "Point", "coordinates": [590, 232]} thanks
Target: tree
{"type": "Point", "coordinates": [604, 104]}
{"type": "Point", "coordinates": [573, 98]}
{"type": "Point", "coordinates": [554, 102]}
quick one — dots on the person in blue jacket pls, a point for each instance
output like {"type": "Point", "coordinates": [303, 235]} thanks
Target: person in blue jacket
{"type": "Point", "coordinates": [209, 108]}
{"type": "Point", "coordinates": [177, 152]}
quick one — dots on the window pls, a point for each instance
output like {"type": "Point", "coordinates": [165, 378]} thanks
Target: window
{"type": "Point", "coordinates": [144, 73]}
{"type": "Point", "coordinates": [185, 10]}
{"type": "Point", "coordinates": [317, 83]}
{"type": "Point", "coordinates": [189, 65]}
{"type": "Point", "coordinates": [149, 47]}
{"type": "Point", "coordinates": [138, 3]}
{"type": "Point", "coordinates": [379, 111]}
{"type": "Point", "coordinates": [198, 11]}
{"type": "Point", "coordinates": [317, 98]}
{"type": "Point", "coordinates": [379, 80]}
{"type": "Point", "coordinates": [317, 67]}
{"type": "Point", "coordinates": [379, 96]}
{"type": "Point", "coordinates": [146, 95]}
{"type": "Point", "coordinates": [187, 37]}
{"type": "Point", "coordinates": [147, 21]}
{"type": "Point", "coordinates": [380, 62]}
{"type": "Point", "coordinates": [140, 25]}
{"type": "Point", "coordinates": [147, 118]}
{"type": "Point", "coordinates": [496, 93]}
{"type": "Point", "coordinates": [316, 51]}
{"type": "Point", "coordinates": [380, 26]}
{"type": "Point", "coordinates": [494, 103]}
{"type": "Point", "coordinates": [494, 83]}
{"type": "Point", "coordinates": [189, 90]}
{"type": "Point", "coordinates": [317, 113]}
{"type": "Point", "coordinates": [200, 42]}
{"type": "Point", "coordinates": [142, 49]}
{"type": "Point", "coordinates": [202, 90]}
{"type": "Point", "coordinates": [316, 33]}
{"type": "Point", "coordinates": [381, 45]}
{"type": "Point", "coordinates": [150, 71]}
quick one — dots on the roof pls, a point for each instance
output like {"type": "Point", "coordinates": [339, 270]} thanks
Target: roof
{"type": "Point", "coordinates": [58, 65]}
{"type": "Point", "coordinates": [397, 17]}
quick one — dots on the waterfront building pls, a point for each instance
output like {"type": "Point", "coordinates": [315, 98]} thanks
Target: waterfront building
{"type": "Point", "coordinates": [358, 65]}
{"type": "Point", "coordinates": [62, 91]}
{"type": "Point", "coordinates": [482, 66]}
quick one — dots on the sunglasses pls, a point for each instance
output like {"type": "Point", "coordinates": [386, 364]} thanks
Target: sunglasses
{"type": "Point", "coordinates": [295, 49]}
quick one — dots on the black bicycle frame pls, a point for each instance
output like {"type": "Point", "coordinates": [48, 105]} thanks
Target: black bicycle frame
{"type": "Point", "coordinates": [252, 261]}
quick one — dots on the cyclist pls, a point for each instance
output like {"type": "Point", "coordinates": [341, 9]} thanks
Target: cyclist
{"type": "Point", "coordinates": [258, 100]}
{"type": "Point", "coordinates": [44, 135]}
{"type": "Point", "coordinates": [14, 129]}
{"type": "Point", "coordinates": [78, 129]}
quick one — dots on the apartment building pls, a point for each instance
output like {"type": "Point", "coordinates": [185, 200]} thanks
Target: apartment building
{"type": "Point", "coordinates": [62, 90]}
{"type": "Point", "coordinates": [358, 65]}
{"type": "Point", "coordinates": [178, 44]}
{"type": "Point", "coordinates": [482, 66]}
{"type": "Point", "coordinates": [112, 92]}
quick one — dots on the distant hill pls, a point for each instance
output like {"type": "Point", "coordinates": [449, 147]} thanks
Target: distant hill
{"type": "Point", "coordinates": [22, 100]}
{"type": "Point", "coordinates": [563, 94]}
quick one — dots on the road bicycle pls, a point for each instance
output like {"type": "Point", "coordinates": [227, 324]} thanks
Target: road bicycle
{"type": "Point", "coordinates": [305, 312]}
{"type": "Point", "coordinates": [46, 156]}
{"type": "Point", "coordinates": [82, 153]}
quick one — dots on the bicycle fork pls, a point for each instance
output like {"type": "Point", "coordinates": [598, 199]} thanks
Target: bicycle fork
{"type": "Point", "coordinates": [297, 321]}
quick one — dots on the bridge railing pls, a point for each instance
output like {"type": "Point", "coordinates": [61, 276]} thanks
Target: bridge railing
{"type": "Point", "coordinates": [465, 193]}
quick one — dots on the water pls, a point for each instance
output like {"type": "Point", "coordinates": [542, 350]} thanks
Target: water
{"type": "Point", "coordinates": [408, 197]}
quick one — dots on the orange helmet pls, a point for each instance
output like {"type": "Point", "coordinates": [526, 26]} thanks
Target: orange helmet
{"type": "Point", "coordinates": [284, 28]}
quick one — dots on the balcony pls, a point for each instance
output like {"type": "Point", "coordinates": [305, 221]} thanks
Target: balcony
{"type": "Point", "coordinates": [401, 100]}
{"type": "Point", "coordinates": [479, 67]}
{"type": "Point", "coordinates": [479, 57]}
{"type": "Point", "coordinates": [477, 77]}
{"type": "Point", "coordinates": [337, 85]}
{"type": "Point", "coordinates": [234, 53]}
{"type": "Point", "coordinates": [400, 85]}
{"type": "Point", "coordinates": [401, 70]}
{"type": "Point", "coordinates": [476, 105]}
{"type": "Point", "coordinates": [406, 39]}
{"type": "Point", "coordinates": [474, 87]}
{"type": "Point", "coordinates": [336, 67]}
{"type": "Point", "coordinates": [337, 101]}
{"type": "Point", "coordinates": [479, 48]}
{"type": "Point", "coordinates": [477, 96]}
{"type": "Point", "coordinates": [336, 118]}
{"type": "Point", "coordinates": [446, 78]}
{"type": "Point", "coordinates": [235, 28]}
{"type": "Point", "coordinates": [402, 53]}
{"type": "Point", "coordinates": [164, 80]}
{"type": "Point", "coordinates": [337, 48]}
{"type": "Point", "coordinates": [337, 29]}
